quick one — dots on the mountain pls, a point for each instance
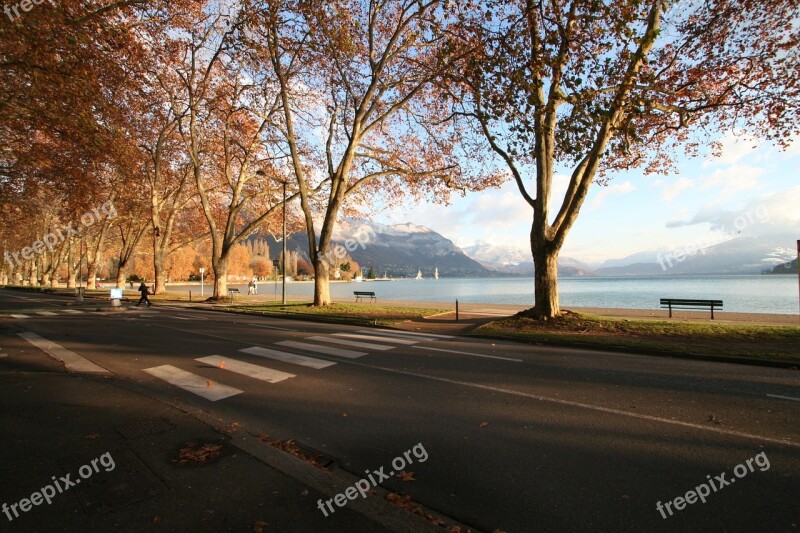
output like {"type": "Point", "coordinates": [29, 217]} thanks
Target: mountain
{"type": "Point", "coordinates": [511, 260]}
{"type": "Point", "coordinates": [400, 250]}
{"type": "Point", "coordinates": [785, 268]}
{"type": "Point", "coordinates": [742, 255]}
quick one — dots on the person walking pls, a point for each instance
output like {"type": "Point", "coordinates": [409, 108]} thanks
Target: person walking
{"type": "Point", "coordinates": [255, 285]}
{"type": "Point", "coordinates": [145, 290]}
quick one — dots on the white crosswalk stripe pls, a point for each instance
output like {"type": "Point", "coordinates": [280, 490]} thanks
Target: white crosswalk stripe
{"type": "Point", "coordinates": [355, 344]}
{"type": "Point", "coordinates": [72, 361]}
{"type": "Point", "coordinates": [377, 338]}
{"type": "Point", "coordinates": [316, 348]}
{"type": "Point", "coordinates": [73, 311]}
{"type": "Point", "coordinates": [406, 334]}
{"type": "Point", "coordinates": [287, 357]}
{"type": "Point", "coordinates": [193, 383]}
{"type": "Point", "coordinates": [20, 316]}
{"type": "Point", "coordinates": [46, 313]}
{"type": "Point", "coordinates": [246, 369]}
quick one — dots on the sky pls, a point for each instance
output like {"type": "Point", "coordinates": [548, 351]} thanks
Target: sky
{"type": "Point", "coordinates": [751, 189]}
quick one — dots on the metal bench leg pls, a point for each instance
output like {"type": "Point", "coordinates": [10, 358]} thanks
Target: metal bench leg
{"type": "Point", "coordinates": [670, 310]}
{"type": "Point", "coordinates": [712, 311]}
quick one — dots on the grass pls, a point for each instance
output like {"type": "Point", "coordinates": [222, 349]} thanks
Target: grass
{"type": "Point", "coordinates": [758, 342]}
{"type": "Point", "coordinates": [352, 313]}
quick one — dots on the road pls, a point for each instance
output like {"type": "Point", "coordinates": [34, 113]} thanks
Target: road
{"type": "Point", "coordinates": [516, 437]}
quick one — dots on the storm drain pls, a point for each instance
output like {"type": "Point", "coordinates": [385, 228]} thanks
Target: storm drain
{"type": "Point", "coordinates": [316, 456]}
{"type": "Point", "coordinates": [129, 481]}
{"type": "Point", "coordinates": [140, 428]}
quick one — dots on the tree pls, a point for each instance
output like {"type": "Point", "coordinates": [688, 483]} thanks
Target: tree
{"type": "Point", "coordinates": [359, 114]}
{"type": "Point", "coordinates": [598, 87]}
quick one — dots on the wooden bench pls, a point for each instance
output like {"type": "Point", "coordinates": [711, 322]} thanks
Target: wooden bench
{"type": "Point", "coordinates": [678, 303]}
{"type": "Point", "coordinates": [233, 291]}
{"type": "Point", "coordinates": [364, 294]}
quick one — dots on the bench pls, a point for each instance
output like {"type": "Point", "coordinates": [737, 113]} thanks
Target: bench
{"type": "Point", "coordinates": [233, 291]}
{"type": "Point", "coordinates": [364, 294]}
{"type": "Point", "coordinates": [678, 303]}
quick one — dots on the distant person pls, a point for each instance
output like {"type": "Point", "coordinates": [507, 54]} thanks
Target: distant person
{"type": "Point", "coordinates": [145, 290]}
{"type": "Point", "coordinates": [250, 289]}
{"type": "Point", "coordinates": [255, 285]}
{"type": "Point", "coordinates": [131, 284]}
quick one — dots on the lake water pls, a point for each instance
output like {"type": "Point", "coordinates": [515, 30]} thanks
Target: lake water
{"type": "Point", "coordinates": [755, 294]}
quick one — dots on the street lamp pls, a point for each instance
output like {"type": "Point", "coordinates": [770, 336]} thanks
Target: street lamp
{"type": "Point", "coordinates": [202, 288]}
{"type": "Point", "coordinates": [283, 255]}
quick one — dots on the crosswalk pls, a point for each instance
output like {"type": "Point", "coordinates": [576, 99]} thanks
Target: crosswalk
{"type": "Point", "coordinates": [71, 312]}
{"type": "Point", "coordinates": [380, 340]}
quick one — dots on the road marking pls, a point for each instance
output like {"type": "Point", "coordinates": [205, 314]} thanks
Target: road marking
{"type": "Point", "coordinates": [190, 317]}
{"type": "Point", "coordinates": [397, 333]}
{"type": "Point", "coordinates": [271, 327]}
{"type": "Point", "coordinates": [469, 353]}
{"type": "Point", "coordinates": [783, 397]}
{"type": "Point", "coordinates": [376, 338]}
{"type": "Point", "coordinates": [287, 357]}
{"type": "Point", "coordinates": [46, 313]}
{"type": "Point", "coordinates": [316, 348]}
{"type": "Point", "coordinates": [345, 342]}
{"type": "Point", "coordinates": [72, 361]}
{"type": "Point", "coordinates": [246, 369]}
{"type": "Point", "coordinates": [180, 317]}
{"type": "Point", "coordinates": [20, 316]}
{"type": "Point", "coordinates": [208, 389]}
{"type": "Point", "coordinates": [73, 311]}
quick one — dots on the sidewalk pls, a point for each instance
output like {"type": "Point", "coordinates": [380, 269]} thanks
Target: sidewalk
{"type": "Point", "coordinates": [54, 423]}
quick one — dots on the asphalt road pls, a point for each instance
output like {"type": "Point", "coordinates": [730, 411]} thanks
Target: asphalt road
{"type": "Point", "coordinates": [515, 437]}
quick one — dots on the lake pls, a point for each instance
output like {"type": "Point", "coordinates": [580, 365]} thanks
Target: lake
{"type": "Point", "coordinates": [754, 293]}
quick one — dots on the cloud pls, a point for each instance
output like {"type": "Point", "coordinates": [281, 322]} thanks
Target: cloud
{"type": "Point", "coordinates": [674, 189]}
{"type": "Point", "coordinates": [604, 192]}
{"type": "Point", "coordinates": [734, 147]}
{"type": "Point", "coordinates": [734, 179]}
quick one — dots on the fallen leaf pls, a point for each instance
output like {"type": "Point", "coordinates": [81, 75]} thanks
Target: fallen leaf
{"type": "Point", "coordinates": [209, 383]}
{"type": "Point", "coordinates": [405, 476]}
{"type": "Point", "coordinates": [221, 364]}
{"type": "Point", "coordinates": [156, 519]}
{"type": "Point", "coordinates": [344, 414]}
{"type": "Point", "coordinates": [484, 424]}
{"type": "Point", "coordinates": [258, 526]}
{"type": "Point", "coordinates": [304, 493]}
{"type": "Point", "coordinates": [93, 436]}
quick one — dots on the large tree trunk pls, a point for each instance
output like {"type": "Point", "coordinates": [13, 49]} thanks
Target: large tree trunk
{"type": "Point", "coordinates": [220, 267]}
{"type": "Point", "coordinates": [121, 275]}
{"type": "Point", "coordinates": [322, 288]}
{"type": "Point", "coordinates": [159, 258]}
{"type": "Point", "coordinates": [91, 276]}
{"type": "Point", "coordinates": [545, 264]}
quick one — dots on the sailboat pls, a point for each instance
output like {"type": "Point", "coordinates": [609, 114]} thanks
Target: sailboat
{"type": "Point", "coordinates": [436, 273]}
{"type": "Point", "coordinates": [419, 274]}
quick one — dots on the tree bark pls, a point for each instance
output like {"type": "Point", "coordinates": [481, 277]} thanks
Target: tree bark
{"type": "Point", "coordinates": [545, 264]}
{"type": "Point", "coordinates": [322, 285]}
{"type": "Point", "coordinates": [220, 266]}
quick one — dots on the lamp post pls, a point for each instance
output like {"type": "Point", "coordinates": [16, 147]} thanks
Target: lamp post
{"type": "Point", "coordinates": [283, 254]}
{"type": "Point", "coordinates": [202, 287]}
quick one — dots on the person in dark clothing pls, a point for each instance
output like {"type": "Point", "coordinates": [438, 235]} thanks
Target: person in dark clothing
{"type": "Point", "coordinates": [145, 290]}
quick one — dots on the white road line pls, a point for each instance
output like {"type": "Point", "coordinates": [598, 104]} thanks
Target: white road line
{"type": "Point", "coordinates": [180, 317]}
{"type": "Point", "coordinates": [20, 316]}
{"type": "Point", "coordinates": [287, 357]}
{"type": "Point", "coordinates": [469, 353]}
{"type": "Point", "coordinates": [73, 311]}
{"type": "Point", "coordinates": [397, 332]}
{"type": "Point", "coordinates": [345, 342]}
{"type": "Point", "coordinates": [316, 348]}
{"type": "Point", "coordinates": [46, 313]}
{"type": "Point", "coordinates": [783, 397]}
{"type": "Point", "coordinates": [271, 327]}
{"type": "Point", "coordinates": [208, 389]}
{"type": "Point", "coordinates": [72, 361]}
{"type": "Point", "coordinates": [376, 338]}
{"type": "Point", "coordinates": [246, 369]}
{"type": "Point", "coordinates": [190, 317]}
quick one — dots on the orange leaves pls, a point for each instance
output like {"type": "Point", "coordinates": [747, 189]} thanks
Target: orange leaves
{"type": "Point", "coordinates": [405, 476]}
{"type": "Point", "coordinates": [93, 436]}
{"type": "Point", "coordinates": [195, 454]}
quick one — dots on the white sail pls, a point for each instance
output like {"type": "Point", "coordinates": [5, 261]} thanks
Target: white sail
{"type": "Point", "coordinates": [419, 274]}
{"type": "Point", "coordinates": [436, 273]}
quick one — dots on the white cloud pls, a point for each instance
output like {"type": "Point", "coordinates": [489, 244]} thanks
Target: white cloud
{"type": "Point", "coordinates": [734, 179]}
{"type": "Point", "coordinates": [735, 146]}
{"type": "Point", "coordinates": [670, 191]}
{"type": "Point", "coordinates": [604, 192]}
